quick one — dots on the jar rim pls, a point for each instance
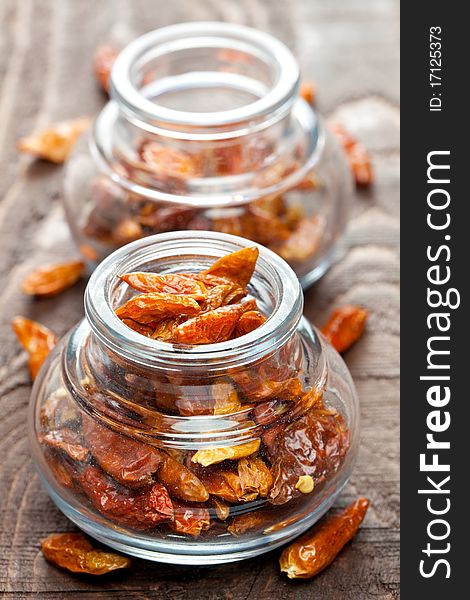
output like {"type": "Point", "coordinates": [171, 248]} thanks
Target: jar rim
{"type": "Point", "coordinates": [133, 346]}
{"type": "Point", "coordinates": [279, 98]}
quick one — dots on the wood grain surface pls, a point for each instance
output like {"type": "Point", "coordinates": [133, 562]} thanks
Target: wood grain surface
{"type": "Point", "coordinates": [350, 49]}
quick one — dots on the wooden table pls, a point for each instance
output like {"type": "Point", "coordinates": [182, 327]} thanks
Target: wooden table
{"type": "Point", "coordinates": [350, 48]}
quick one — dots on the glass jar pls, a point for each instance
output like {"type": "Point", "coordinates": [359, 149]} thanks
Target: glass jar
{"type": "Point", "coordinates": [194, 454]}
{"type": "Point", "coordinates": [206, 130]}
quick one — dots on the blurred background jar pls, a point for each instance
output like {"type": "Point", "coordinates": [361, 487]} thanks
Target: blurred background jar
{"type": "Point", "coordinates": [194, 454]}
{"type": "Point", "coordinates": [206, 131]}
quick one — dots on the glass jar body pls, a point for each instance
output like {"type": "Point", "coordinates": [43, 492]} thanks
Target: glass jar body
{"type": "Point", "coordinates": [252, 527]}
{"type": "Point", "coordinates": [194, 454]}
{"type": "Point", "coordinates": [275, 176]}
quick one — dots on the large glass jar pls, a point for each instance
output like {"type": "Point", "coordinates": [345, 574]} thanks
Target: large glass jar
{"type": "Point", "coordinates": [206, 130]}
{"type": "Point", "coordinates": [128, 432]}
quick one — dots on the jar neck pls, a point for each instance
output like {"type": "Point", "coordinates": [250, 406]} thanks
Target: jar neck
{"type": "Point", "coordinates": [274, 285]}
{"type": "Point", "coordinates": [224, 97]}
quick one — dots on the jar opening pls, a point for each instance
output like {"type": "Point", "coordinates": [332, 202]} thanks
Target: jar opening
{"type": "Point", "coordinates": [248, 76]}
{"type": "Point", "coordinates": [274, 284]}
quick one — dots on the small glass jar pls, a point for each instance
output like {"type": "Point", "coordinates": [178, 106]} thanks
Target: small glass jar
{"type": "Point", "coordinates": [206, 130]}
{"type": "Point", "coordinates": [194, 454]}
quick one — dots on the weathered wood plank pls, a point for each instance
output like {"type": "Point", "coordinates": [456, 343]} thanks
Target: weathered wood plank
{"type": "Point", "coordinates": [350, 49]}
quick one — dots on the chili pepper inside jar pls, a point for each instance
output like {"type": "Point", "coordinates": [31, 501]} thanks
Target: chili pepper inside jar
{"type": "Point", "coordinates": [206, 130]}
{"type": "Point", "coordinates": [194, 416]}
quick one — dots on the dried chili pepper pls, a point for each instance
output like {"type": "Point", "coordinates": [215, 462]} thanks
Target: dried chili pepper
{"type": "Point", "coordinates": [191, 520]}
{"type": "Point", "coordinates": [237, 266]}
{"type": "Point", "coordinates": [193, 399]}
{"type": "Point", "coordinates": [347, 140]}
{"type": "Point", "coordinates": [180, 481]}
{"type": "Point", "coordinates": [358, 157]}
{"type": "Point", "coordinates": [254, 476]}
{"type": "Point", "coordinates": [53, 279]}
{"type": "Point", "coordinates": [345, 326]}
{"type": "Point", "coordinates": [128, 461]}
{"type": "Point", "coordinates": [146, 330]}
{"type": "Point", "coordinates": [36, 339]}
{"type": "Point", "coordinates": [74, 552]}
{"type": "Point", "coordinates": [259, 384]}
{"type": "Point", "coordinates": [248, 322]}
{"type": "Point", "coordinates": [67, 441]}
{"type": "Point", "coordinates": [211, 456]}
{"type": "Point", "coordinates": [275, 377]}
{"type": "Point", "coordinates": [271, 221]}
{"type": "Point", "coordinates": [59, 470]}
{"type": "Point", "coordinates": [56, 142]}
{"type": "Point", "coordinates": [315, 445]}
{"type": "Point", "coordinates": [220, 295]}
{"type": "Point", "coordinates": [211, 327]}
{"type": "Point", "coordinates": [297, 451]}
{"type": "Point", "coordinates": [361, 166]}
{"type": "Point", "coordinates": [270, 437]}
{"type": "Point", "coordinates": [139, 510]}
{"type": "Point", "coordinates": [59, 411]}
{"type": "Point", "coordinates": [127, 231]}
{"type": "Point", "coordinates": [242, 491]}
{"type": "Point", "coordinates": [304, 240]}
{"type": "Point", "coordinates": [308, 91]}
{"type": "Point", "coordinates": [218, 485]}
{"type": "Point", "coordinates": [154, 306]}
{"type": "Point", "coordinates": [317, 549]}
{"type": "Point", "coordinates": [169, 162]}
{"type": "Point", "coordinates": [248, 521]}
{"type": "Point", "coordinates": [227, 485]}
{"type": "Point", "coordinates": [278, 525]}
{"type": "Point", "coordinates": [225, 398]}
{"type": "Point", "coordinates": [222, 510]}
{"type": "Point", "coordinates": [166, 218]}
{"type": "Point", "coordinates": [305, 484]}
{"type": "Point", "coordinates": [171, 283]}
{"type": "Point", "coordinates": [265, 226]}
{"type": "Point", "coordinates": [165, 329]}
{"type": "Point", "coordinates": [103, 61]}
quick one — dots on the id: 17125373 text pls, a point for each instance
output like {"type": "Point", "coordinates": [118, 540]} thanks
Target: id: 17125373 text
{"type": "Point", "coordinates": [435, 68]}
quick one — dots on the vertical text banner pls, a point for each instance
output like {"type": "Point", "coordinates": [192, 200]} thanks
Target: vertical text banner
{"type": "Point", "coordinates": [435, 359]}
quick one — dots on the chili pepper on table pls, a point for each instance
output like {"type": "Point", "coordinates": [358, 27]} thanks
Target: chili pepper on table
{"type": "Point", "coordinates": [36, 339]}
{"type": "Point", "coordinates": [75, 553]}
{"type": "Point", "coordinates": [317, 548]}
{"type": "Point", "coordinates": [53, 279]}
{"type": "Point", "coordinates": [56, 142]}
{"type": "Point", "coordinates": [345, 326]}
